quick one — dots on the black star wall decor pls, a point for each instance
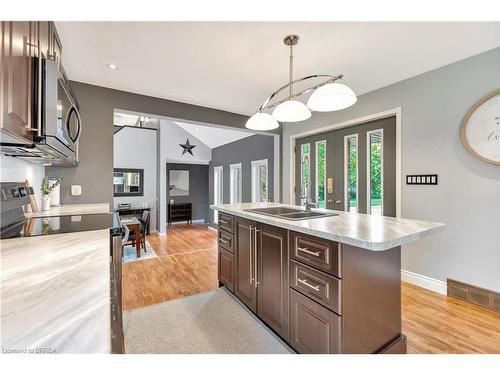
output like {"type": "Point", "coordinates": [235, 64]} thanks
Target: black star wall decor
{"type": "Point", "coordinates": [187, 147]}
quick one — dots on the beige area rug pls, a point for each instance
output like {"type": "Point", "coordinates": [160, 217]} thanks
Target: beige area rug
{"type": "Point", "coordinates": [213, 323]}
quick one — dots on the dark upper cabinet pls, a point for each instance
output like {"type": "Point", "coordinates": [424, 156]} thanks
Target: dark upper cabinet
{"type": "Point", "coordinates": [245, 262]}
{"type": "Point", "coordinates": [18, 47]}
{"type": "Point", "coordinates": [21, 42]}
{"type": "Point", "coordinates": [55, 46]}
{"type": "Point", "coordinates": [272, 277]}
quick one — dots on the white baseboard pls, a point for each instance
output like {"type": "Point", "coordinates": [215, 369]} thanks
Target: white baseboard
{"type": "Point", "coordinates": [422, 281]}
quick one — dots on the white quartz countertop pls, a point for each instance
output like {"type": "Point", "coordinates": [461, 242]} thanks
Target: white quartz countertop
{"type": "Point", "coordinates": [72, 209]}
{"type": "Point", "coordinates": [56, 293]}
{"type": "Point", "coordinates": [370, 232]}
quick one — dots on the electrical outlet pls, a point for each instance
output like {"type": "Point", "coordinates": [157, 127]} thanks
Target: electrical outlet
{"type": "Point", "coordinates": [76, 190]}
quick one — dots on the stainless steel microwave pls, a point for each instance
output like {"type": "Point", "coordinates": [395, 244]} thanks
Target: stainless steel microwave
{"type": "Point", "coordinates": [57, 119]}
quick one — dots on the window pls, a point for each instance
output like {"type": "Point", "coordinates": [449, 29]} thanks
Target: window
{"type": "Point", "coordinates": [305, 172]}
{"type": "Point", "coordinates": [351, 173]}
{"type": "Point", "coordinates": [218, 190]}
{"type": "Point", "coordinates": [374, 152]}
{"type": "Point", "coordinates": [235, 183]}
{"type": "Point", "coordinates": [259, 181]}
{"type": "Point", "coordinates": [321, 174]}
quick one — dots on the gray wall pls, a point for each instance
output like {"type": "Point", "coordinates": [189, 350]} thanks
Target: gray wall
{"type": "Point", "coordinates": [244, 151]}
{"type": "Point", "coordinates": [198, 192]}
{"type": "Point", "coordinates": [467, 198]}
{"type": "Point", "coordinates": [95, 169]}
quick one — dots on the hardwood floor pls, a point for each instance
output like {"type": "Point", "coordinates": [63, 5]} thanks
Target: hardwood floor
{"type": "Point", "coordinates": [187, 264]}
{"type": "Point", "coordinates": [435, 323]}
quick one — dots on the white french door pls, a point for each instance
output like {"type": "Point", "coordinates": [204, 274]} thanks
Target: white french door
{"type": "Point", "coordinates": [218, 190]}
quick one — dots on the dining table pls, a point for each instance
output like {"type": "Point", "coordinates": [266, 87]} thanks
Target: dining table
{"type": "Point", "coordinates": [134, 225]}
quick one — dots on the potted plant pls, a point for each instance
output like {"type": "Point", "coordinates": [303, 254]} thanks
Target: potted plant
{"type": "Point", "coordinates": [46, 188]}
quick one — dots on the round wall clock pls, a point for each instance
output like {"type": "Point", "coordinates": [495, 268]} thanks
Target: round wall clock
{"type": "Point", "coordinates": [480, 130]}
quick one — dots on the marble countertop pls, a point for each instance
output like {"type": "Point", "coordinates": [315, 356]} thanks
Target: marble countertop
{"type": "Point", "coordinates": [72, 209]}
{"type": "Point", "coordinates": [56, 293]}
{"type": "Point", "coordinates": [370, 232]}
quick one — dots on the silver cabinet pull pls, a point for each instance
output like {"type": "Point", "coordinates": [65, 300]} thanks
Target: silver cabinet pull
{"type": "Point", "coordinates": [223, 221]}
{"type": "Point", "coordinates": [315, 287]}
{"type": "Point", "coordinates": [256, 259]}
{"type": "Point", "coordinates": [305, 250]}
{"type": "Point", "coordinates": [250, 254]}
{"type": "Point", "coordinates": [222, 240]}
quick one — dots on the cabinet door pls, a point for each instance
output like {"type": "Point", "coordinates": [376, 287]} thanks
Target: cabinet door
{"type": "Point", "coordinates": [17, 48]}
{"type": "Point", "coordinates": [272, 277]}
{"type": "Point", "coordinates": [313, 328]}
{"type": "Point", "coordinates": [55, 45]}
{"type": "Point", "coordinates": [226, 269]}
{"type": "Point", "coordinates": [44, 37]}
{"type": "Point", "coordinates": [245, 253]}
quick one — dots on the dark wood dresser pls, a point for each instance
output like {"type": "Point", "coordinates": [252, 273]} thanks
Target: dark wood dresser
{"type": "Point", "coordinates": [180, 212]}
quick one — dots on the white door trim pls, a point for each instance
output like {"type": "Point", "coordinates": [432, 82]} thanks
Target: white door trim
{"type": "Point", "coordinates": [379, 115]}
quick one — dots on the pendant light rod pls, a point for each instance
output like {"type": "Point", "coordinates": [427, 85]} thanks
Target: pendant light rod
{"type": "Point", "coordinates": [330, 79]}
{"type": "Point", "coordinates": [291, 73]}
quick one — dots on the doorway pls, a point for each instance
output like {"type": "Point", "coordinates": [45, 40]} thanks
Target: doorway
{"type": "Point", "coordinates": [351, 169]}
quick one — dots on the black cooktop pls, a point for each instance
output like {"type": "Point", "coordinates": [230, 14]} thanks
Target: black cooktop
{"type": "Point", "coordinates": [41, 226]}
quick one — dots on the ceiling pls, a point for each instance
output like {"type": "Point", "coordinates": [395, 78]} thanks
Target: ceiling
{"type": "Point", "coordinates": [213, 136]}
{"type": "Point", "coordinates": [235, 66]}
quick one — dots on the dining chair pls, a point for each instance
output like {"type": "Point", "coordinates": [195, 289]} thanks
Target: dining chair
{"type": "Point", "coordinates": [144, 227]}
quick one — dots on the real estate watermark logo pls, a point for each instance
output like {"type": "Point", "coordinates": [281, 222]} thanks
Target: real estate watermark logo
{"type": "Point", "coordinates": [34, 350]}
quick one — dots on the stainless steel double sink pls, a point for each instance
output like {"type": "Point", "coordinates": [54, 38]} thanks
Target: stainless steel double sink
{"type": "Point", "coordinates": [288, 213]}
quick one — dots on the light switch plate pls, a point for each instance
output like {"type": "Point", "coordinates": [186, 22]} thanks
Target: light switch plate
{"type": "Point", "coordinates": [76, 190]}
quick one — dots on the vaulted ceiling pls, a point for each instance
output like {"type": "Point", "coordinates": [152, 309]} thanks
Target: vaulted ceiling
{"type": "Point", "coordinates": [235, 66]}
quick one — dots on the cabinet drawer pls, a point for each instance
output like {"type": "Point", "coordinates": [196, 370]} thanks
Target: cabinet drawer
{"type": "Point", "coordinates": [226, 241]}
{"type": "Point", "coordinates": [226, 222]}
{"type": "Point", "coordinates": [317, 285]}
{"type": "Point", "coordinates": [226, 269]}
{"type": "Point", "coordinates": [314, 329]}
{"type": "Point", "coordinates": [316, 252]}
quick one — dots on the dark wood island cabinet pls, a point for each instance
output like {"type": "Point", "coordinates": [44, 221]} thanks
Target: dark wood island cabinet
{"type": "Point", "coordinates": [319, 296]}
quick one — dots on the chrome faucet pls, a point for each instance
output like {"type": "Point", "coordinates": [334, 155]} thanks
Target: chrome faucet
{"type": "Point", "coordinates": [307, 196]}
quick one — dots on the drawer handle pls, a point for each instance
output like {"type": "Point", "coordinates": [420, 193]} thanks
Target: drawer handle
{"type": "Point", "coordinates": [223, 222]}
{"type": "Point", "coordinates": [223, 240]}
{"type": "Point", "coordinates": [316, 288]}
{"type": "Point", "coordinates": [304, 250]}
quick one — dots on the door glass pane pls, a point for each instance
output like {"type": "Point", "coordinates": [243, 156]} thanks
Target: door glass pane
{"type": "Point", "coordinates": [305, 172]}
{"type": "Point", "coordinates": [235, 183]}
{"type": "Point", "coordinates": [262, 183]}
{"type": "Point", "coordinates": [321, 173]}
{"type": "Point", "coordinates": [351, 173]}
{"type": "Point", "coordinates": [375, 181]}
{"type": "Point", "coordinates": [259, 181]}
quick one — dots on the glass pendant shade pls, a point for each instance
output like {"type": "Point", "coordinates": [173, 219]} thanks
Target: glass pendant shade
{"type": "Point", "coordinates": [291, 111]}
{"type": "Point", "coordinates": [262, 121]}
{"type": "Point", "coordinates": [331, 97]}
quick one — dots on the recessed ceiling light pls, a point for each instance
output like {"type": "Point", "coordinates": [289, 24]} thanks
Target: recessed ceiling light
{"type": "Point", "coordinates": [196, 129]}
{"type": "Point", "coordinates": [112, 66]}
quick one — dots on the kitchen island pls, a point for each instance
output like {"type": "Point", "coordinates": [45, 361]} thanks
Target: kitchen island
{"type": "Point", "coordinates": [329, 284]}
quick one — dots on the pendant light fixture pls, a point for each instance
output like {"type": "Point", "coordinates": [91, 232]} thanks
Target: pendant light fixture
{"type": "Point", "coordinates": [326, 96]}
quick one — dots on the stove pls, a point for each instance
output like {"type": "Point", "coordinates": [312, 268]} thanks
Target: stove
{"type": "Point", "coordinates": [14, 195]}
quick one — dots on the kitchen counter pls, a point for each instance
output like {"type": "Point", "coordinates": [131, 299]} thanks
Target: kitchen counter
{"type": "Point", "coordinates": [369, 232]}
{"type": "Point", "coordinates": [72, 209]}
{"type": "Point", "coordinates": [56, 293]}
